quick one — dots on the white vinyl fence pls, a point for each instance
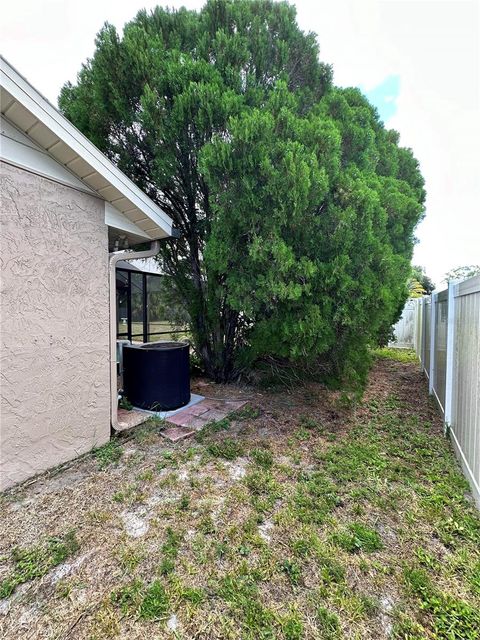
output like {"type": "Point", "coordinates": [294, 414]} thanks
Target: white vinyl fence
{"type": "Point", "coordinates": [444, 331]}
{"type": "Point", "coordinates": [404, 330]}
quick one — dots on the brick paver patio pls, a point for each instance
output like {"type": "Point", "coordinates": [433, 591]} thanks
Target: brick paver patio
{"type": "Point", "coordinates": [188, 421]}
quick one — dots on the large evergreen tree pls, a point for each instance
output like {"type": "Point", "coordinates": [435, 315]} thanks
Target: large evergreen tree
{"type": "Point", "coordinates": [297, 208]}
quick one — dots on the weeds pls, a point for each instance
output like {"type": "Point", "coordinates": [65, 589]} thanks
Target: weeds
{"type": "Point", "coordinates": [291, 569]}
{"type": "Point", "coordinates": [108, 454]}
{"type": "Point", "coordinates": [215, 426]}
{"type": "Point", "coordinates": [315, 497]}
{"type": "Point", "coordinates": [449, 617]}
{"type": "Point", "coordinates": [245, 413]}
{"type": "Point", "coordinates": [331, 571]}
{"type": "Point", "coordinates": [240, 591]}
{"type": "Point", "coordinates": [155, 604]}
{"type": "Point", "coordinates": [358, 537]}
{"type": "Point", "coordinates": [262, 457]}
{"type": "Point", "coordinates": [170, 550]}
{"type": "Point", "coordinates": [264, 489]}
{"type": "Point", "coordinates": [228, 448]}
{"type": "Point", "coordinates": [35, 562]}
{"type": "Point", "coordinates": [291, 626]}
{"type": "Point", "coordinates": [328, 624]}
{"type": "Point", "coordinates": [124, 403]}
{"type": "Point", "coordinates": [399, 355]}
{"type": "Point", "coordinates": [130, 557]}
{"type": "Point", "coordinates": [311, 424]}
{"type": "Point", "coordinates": [129, 597]}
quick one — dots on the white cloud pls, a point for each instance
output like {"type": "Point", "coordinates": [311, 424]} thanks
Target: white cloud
{"type": "Point", "coordinates": [431, 44]}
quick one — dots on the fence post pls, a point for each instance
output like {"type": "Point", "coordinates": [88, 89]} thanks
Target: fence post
{"type": "Point", "coordinates": [431, 373]}
{"type": "Point", "coordinates": [416, 327]}
{"type": "Point", "coordinates": [422, 335]}
{"type": "Point", "coordinates": [450, 356]}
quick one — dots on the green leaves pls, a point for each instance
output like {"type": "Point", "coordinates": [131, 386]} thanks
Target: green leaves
{"type": "Point", "coordinates": [297, 208]}
{"type": "Point", "coordinates": [358, 537]}
{"type": "Point", "coordinates": [35, 562]}
{"type": "Point", "coordinates": [450, 617]}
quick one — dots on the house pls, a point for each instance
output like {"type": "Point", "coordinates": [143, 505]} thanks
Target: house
{"type": "Point", "coordinates": [64, 207]}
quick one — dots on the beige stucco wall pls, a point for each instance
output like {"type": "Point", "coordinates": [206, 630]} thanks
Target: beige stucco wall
{"type": "Point", "coordinates": [54, 351]}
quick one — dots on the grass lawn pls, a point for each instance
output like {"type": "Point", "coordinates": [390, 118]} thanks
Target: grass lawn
{"type": "Point", "coordinates": [299, 517]}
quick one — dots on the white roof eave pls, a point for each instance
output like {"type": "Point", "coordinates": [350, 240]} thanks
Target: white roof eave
{"type": "Point", "coordinates": [23, 92]}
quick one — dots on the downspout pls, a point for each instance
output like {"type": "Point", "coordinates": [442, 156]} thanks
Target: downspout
{"type": "Point", "coordinates": [112, 283]}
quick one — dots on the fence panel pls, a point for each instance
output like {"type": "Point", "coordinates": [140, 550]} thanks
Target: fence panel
{"type": "Point", "coordinates": [426, 336]}
{"type": "Point", "coordinates": [404, 330]}
{"type": "Point", "coordinates": [440, 341]}
{"type": "Point", "coordinates": [465, 426]}
{"type": "Point", "coordinates": [417, 345]}
{"type": "Point", "coordinates": [446, 339]}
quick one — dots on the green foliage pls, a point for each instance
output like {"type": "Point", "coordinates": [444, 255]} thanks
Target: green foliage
{"type": "Point", "coordinates": [331, 571]}
{"type": "Point", "coordinates": [400, 355]}
{"type": "Point", "coordinates": [129, 597]}
{"type": "Point", "coordinates": [240, 591]}
{"type": "Point", "coordinates": [108, 454]}
{"type": "Point", "coordinates": [125, 403]}
{"type": "Point", "coordinates": [184, 502]}
{"type": "Point", "coordinates": [130, 558]}
{"type": "Point", "coordinates": [262, 457]}
{"type": "Point", "coordinates": [170, 549]}
{"type": "Point", "coordinates": [418, 274]}
{"type": "Point", "coordinates": [358, 537]}
{"type": "Point", "coordinates": [227, 448]}
{"type": "Point", "coordinates": [214, 426]}
{"type": "Point", "coordinates": [315, 497]}
{"type": "Point", "coordinates": [279, 182]}
{"type": "Point", "coordinates": [35, 562]}
{"type": "Point", "coordinates": [261, 483]}
{"type": "Point", "coordinates": [192, 595]}
{"type": "Point", "coordinates": [245, 413]}
{"type": "Point", "coordinates": [451, 618]}
{"type": "Point", "coordinates": [291, 569]}
{"type": "Point", "coordinates": [291, 626]}
{"type": "Point", "coordinates": [311, 424]}
{"type": "Point", "coordinates": [155, 604]}
{"type": "Point", "coordinates": [328, 624]}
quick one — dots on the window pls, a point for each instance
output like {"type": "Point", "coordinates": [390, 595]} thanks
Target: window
{"type": "Point", "coordinates": [143, 311]}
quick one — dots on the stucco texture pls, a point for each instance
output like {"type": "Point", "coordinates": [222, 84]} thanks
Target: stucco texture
{"type": "Point", "coordinates": [54, 355]}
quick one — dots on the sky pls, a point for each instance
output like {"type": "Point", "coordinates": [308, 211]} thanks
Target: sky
{"type": "Point", "coordinates": [418, 61]}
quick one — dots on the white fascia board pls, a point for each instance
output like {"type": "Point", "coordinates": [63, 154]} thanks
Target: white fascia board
{"type": "Point", "coordinates": [18, 149]}
{"type": "Point", "coordinates": [39, 106]}
{"type": "Point", "coordinates": [114, 218]}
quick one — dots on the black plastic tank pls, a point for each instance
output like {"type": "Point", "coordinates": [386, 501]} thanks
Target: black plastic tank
{"type": "Point", "coordinates": [156, 375]}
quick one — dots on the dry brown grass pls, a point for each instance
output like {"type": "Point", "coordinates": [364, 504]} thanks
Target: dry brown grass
{"type": "Point", "coordinates": [327, 523]}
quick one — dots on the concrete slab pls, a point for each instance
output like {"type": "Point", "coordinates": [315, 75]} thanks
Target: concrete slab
{"type": "Point", "coordinates": [194, 399]}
